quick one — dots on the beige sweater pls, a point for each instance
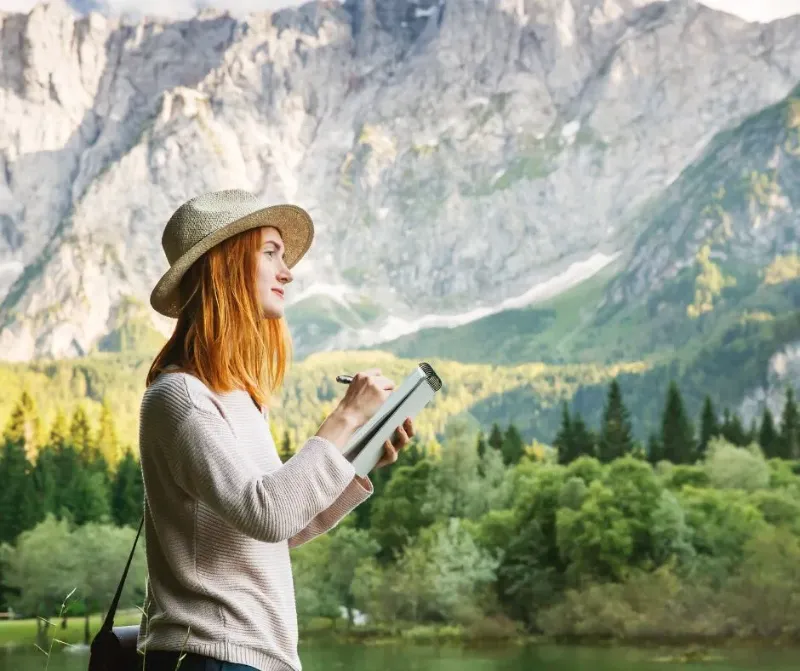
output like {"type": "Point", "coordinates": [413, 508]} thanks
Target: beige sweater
{"type": "Point", "coordinates": [221, 513]}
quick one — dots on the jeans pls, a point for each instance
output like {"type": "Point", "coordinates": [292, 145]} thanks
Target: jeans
{"type": "Point", "coordinates": [160, 660]}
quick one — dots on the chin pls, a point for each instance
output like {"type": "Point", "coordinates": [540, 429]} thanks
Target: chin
{"type": "Point", "coordinates": [272, 312]}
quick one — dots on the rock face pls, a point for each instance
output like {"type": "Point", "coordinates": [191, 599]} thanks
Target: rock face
{"type": "Point", "coordinates": [452, 153]}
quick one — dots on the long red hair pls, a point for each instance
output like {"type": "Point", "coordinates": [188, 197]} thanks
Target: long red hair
{"type": "Point", "coordinates": [221, 336]}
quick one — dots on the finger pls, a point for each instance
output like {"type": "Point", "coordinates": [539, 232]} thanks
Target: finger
{"type": "Point", "coordinates": [408, 425]}
{"type": "Point", "coordinates": [401, 437]}
{"type": "Point", "coordinates": [389, 452]}
{"type": "Point", "coordinates": [371, 372]}
{"type": "Point", "coordinates": [384, 382]}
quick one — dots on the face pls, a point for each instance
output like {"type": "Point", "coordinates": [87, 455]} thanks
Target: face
{"type": "Point", "coordinates": [273, 274]}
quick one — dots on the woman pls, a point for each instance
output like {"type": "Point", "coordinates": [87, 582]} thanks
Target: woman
{"type": "Point", "coordinates": [221, 510]}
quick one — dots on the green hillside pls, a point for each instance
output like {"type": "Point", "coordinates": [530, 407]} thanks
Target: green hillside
{"type": "Point", "coordinates": [310, 391]}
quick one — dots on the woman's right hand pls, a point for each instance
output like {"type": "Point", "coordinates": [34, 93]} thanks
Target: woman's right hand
{"type": "Point", "coordinates": [365, 394]}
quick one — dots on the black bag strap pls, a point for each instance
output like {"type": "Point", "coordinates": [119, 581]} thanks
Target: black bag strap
{"type": "Point", "coordinates": [108, 624]}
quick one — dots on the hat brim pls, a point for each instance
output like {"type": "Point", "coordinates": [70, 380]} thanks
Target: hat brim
{"type": "Point", "coordinates": [293, 223]}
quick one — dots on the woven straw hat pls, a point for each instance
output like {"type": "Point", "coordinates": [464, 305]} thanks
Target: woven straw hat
{"type": "Point", "coordinates": [205, 221]}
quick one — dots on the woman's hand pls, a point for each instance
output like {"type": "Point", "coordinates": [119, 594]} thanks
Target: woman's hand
{"type": "Point", "coordinates": [391, 448]}
{"type": "Point", "coordinates": [365, 394]}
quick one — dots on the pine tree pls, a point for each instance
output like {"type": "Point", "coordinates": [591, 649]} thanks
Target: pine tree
{"type": "Point", "coordinates": [24, 426]}
{"type": "Point", "coordinates": [677, 432]}
{"type": "Point", "coordinates": [790, 427]}
{"type": "Point", "coordinates": [768, 437]}
{"type": "Point", "coordinates": [513, 447]}
{"type": "Point", "coordinates": [733, 430]}
{"type": "Point", "coordinates": [45, 480]}
{"type": "Point", "coordinates": [496, 437]}
{"type": "Point", "coordinates": [709, 427]}
{"type": "Point", "coordinates": [584, 440]}
{"type": "Point", "coordinates": [127, 492]}
{"type": "Point", "coordinates": [616, 438]}
{"type": "Point", "coordinates": [752, 432]}
{"type": "Point", "coordinates": [655, 451]}
{"type": "Point", "coordinates": [563, 442]}
{"type": "Point", "coordinates": [59, 433]}
{"type": "Point", "coordinates": [481, 445]}
{"type": "Point", "coordinates": [286, 447]}
{"type": "Point", "coordinates": [19, 509]}
{"type": "Point", "coordinates": [80, 435]}
{"type": "Point", "coordinates": [107, 441]}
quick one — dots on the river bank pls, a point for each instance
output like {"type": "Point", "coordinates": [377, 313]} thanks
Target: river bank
{"type": "Point", "coordinates": [489, 633]}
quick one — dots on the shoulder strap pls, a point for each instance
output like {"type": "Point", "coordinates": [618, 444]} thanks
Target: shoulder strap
{"type": "Point", "coordinates": [108, 624]}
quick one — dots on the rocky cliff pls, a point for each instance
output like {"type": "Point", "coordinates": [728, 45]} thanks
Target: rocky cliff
{"type": "Point", "coordinates": [453, 153]}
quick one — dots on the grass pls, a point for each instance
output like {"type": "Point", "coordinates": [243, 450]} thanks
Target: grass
{"type": "Point", "coordinates": [23, 632]}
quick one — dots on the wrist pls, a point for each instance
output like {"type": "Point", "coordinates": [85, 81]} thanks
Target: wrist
{"type": "Point", "coordinates": [339, 426]}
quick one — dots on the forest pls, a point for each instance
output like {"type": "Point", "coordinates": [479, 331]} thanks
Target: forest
{"type": "Point", "coordinates": [691, 534]}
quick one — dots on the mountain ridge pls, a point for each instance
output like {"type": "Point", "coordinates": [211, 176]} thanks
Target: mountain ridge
{"type": "Point", "coordinates": [553, 124]}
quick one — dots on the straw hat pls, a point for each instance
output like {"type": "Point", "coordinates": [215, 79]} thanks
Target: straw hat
{"type": "Point", "coordinates": [204, 221]}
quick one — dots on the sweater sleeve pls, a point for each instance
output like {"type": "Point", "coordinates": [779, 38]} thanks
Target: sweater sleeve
{"type": "Point", "coordinates": [270, 507]}
{"type": "Point", "coordinates": [358, 491]}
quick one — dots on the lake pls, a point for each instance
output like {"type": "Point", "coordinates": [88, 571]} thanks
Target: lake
{"type": "Point", "coordinates": [323, 657]}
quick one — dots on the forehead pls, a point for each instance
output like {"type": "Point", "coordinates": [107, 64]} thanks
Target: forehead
{"type": "Point", "coordinates": [269, 234]}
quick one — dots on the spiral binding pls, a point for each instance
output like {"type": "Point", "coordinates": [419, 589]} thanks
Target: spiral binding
{"type": "Point", "coordinates": [430, 375]}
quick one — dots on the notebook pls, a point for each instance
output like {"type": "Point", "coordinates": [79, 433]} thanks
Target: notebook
{"type": "Point", "coordinates": [365, 447]}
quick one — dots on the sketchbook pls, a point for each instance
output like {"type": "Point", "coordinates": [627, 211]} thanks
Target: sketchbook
{"type": "Point", "coordinates": [365, 447]}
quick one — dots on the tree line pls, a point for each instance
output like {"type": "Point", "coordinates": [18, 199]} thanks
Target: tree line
{"type": "Point", "coordinates": [693, 533]}
{"type": "Point", "coordinates": [77, 472]}
{"type": "Point", "coordinates": [677, 441]}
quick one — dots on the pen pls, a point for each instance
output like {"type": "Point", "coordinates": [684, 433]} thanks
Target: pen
{"type": "Point", "coordinates": [344, 379]}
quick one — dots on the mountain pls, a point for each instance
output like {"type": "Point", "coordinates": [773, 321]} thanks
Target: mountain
{"type": "Point", "coordinates": [712, 283]}
{"type": "Point", "coordinates": [459, 158]}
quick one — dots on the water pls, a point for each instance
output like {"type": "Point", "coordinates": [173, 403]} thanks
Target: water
{"type": "Point", "coordinates": [327, 657]}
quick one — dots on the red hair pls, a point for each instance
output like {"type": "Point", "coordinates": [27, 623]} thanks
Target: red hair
{"type": "Point", "coordinates": [222, 336]}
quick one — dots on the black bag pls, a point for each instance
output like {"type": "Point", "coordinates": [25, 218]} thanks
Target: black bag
{"type": "Point", "coordinates": [114, 648]}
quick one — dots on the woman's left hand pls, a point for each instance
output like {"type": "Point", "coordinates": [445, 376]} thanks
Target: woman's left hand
{"type": "Point", "coordinates": [391, 448]}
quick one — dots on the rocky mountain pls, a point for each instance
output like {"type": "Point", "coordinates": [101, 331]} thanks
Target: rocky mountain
{"type": "Point", "coordinates": [712, 282]}
{"type": "Point", "coordinates": [459, 157]}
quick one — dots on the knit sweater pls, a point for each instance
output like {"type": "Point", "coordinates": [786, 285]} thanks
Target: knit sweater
{"type": "Point", "coordinates": [221, 514]}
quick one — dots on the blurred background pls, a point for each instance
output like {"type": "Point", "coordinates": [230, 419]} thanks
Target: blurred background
{"type": "Point", "coordinates": [582, 214]}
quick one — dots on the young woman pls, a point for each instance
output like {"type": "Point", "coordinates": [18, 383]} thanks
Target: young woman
{"type": "Point", "coordinates": [221, 510]}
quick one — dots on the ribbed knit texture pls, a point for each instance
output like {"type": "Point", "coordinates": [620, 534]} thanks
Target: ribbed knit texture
{"type": "Point", "coordinates": [221, 513]}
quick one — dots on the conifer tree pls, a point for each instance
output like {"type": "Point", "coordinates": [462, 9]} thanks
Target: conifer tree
{"type": "Point", "coordinates": [286, 447]}
{"type": "Point", "coordinates": [709, 427]}
{"type": "Point", "coordinates": [45, 480]}
{"type": "Point", "coordinates": [790, 427]}
{"type": "Point", "coordinates": [107, 441]}
{"type": "Point", "coordinates": [19, 509]}
{"type": "Point", "coordinates": [127, 492]}
{"type": "Point", "coordinates": [513, 448]}
{"type": "Point", "coordinates": [496, 437]}
{"type": "Point", "coordinates": [24, 425]}
{"type": "Point", "coordinates": [80, 435]}
{"type": "Point", "coordinates": [733, 430]}
{"type": "Point", "coordinates": [616, 439]}
{"type": "Point", "coordinates": [655, 451]}
{"type": "Point", "coordinates": [768, 437]}
{"type": "Point", "coordinates": [677, 432]}
{"type": "Point", "coordinates": [584, 440]}
{"type": "Point", "coordinates": [563, 441]}
{"type": "Point", "coordinates": [481, 446]}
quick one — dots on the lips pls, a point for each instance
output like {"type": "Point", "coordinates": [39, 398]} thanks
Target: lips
{"type": "Point", "coordinates": [278, 291]}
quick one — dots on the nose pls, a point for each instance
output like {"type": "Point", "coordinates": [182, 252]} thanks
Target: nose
{"type": "Point", "coordinates": [285, 275]}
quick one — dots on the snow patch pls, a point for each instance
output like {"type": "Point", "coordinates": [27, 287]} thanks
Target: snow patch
{"type": "Point", "coordinates": [394, 327]}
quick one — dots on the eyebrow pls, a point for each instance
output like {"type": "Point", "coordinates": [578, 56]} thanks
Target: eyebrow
{"type": "Point", "coordinates": [277, 244]}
